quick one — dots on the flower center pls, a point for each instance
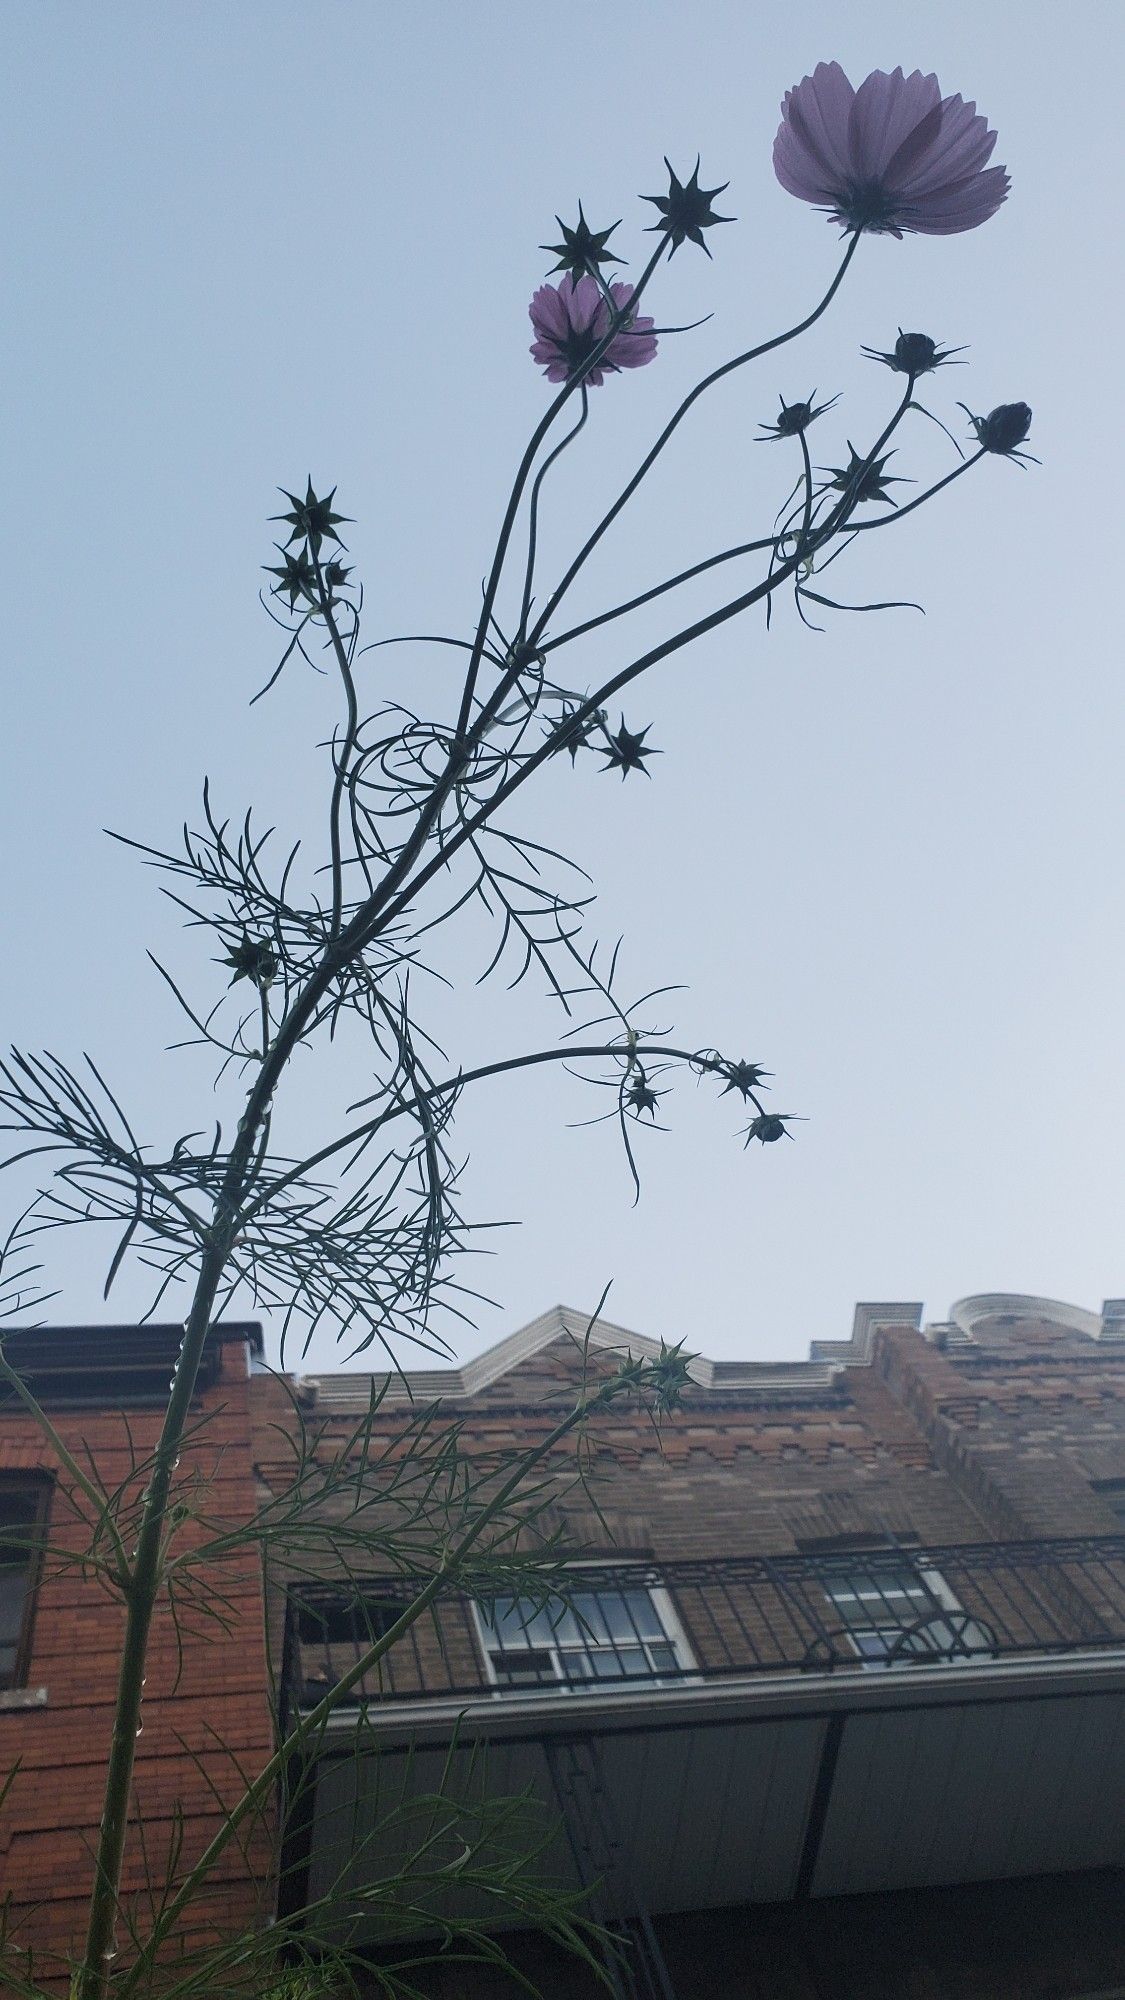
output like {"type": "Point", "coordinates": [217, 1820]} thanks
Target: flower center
{"type": "Point", "coordinates": [869, 205]}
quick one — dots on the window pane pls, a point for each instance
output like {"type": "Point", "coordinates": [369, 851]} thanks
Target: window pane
{"type": "Point", "coordinates": [511, 1619]}
{"type": "Point", "coordinates": [630, 1615]}
{"type": "Point", "coordinates": [872, 1594]}
{"type": "Point", "coordinates": [605, 1664]}
{"type": "Point", "coordinates": [599, 1635]}
{"type": "Point", "coordinates": [587, 1625]}
{"type": "Point", "coordinates": [13, 1590]}
{"type": "Point", "coordinates": [19, 1517]}
{"type": "Point", "coordinates": [527, 1669]}
{"type": "Point", "coordinates": [874, 1645]}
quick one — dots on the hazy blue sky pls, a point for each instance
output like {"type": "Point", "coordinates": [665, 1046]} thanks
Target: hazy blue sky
{"type": "Point", "coordinates": [249, 241]}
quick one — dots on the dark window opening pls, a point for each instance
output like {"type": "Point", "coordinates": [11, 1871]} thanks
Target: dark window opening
{"type": "Point", "coordinates": [333, 1631]}
{"type": "Point", "coordinates": [23, 1510]}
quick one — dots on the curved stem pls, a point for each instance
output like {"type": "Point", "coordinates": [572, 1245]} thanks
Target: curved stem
{"type": "Point", "coordinates": [533, 512]}
{"type": "Point", "coordinates": [522, 474]}
{"type": "Point", "coordinates": [708, 382]}
{"type": "Point", "coordinates": [340, 762]}
{"type": "Point", "coordinates": [838, 518]}
{"type": "Point", "coordinates": [660, 1051]}
{"type": "Point", "coordinates": [806, 518]}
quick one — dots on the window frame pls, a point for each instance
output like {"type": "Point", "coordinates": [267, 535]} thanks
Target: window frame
{"type": "Point", "coordinates": [660, 1598]}
{"type": "Point", "coordinates": [928, 1591]}
{"type": "Point", "coordinates": [39, 1487]}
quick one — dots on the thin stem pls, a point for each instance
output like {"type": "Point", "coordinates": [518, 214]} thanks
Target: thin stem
{"type": "Point", "coordinates": [659, 1051]}
{"type": "Point", "coordinates": [351, 731]}
{"type": "Point", "coordinates": [708, 382]}
{"type": "Point", "coordinates": [492, 587]}
{"type": "Point", "coordinates": [583, 713]}
{"type": "Point", "coordinates": [658, 590]}
{"type": "Point", "coordinates": [533, 512]}
{"type": "Point", "coordinates": [92, 1979]}
{"type": "Point", "coordinates": [838, 518]}
{"type": "Point", "coordinates": [899, 514]}
{"type": "Point", "coordinates": [806, 518]}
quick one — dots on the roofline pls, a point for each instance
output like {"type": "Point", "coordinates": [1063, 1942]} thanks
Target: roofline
{"type": "Point", "coordinates": [351, 1391]}
{"type": "Point", "coordinates": [820, 1375]}
{"type": "Point", "coordinates": [222, 1332]}
{"type": "Point", "coordinates": [114, 1366]}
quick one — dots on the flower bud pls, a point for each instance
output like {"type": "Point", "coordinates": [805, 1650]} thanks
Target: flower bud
{"type": "Point", "coordinates": [1005, 427]}
{"type": "Point", "coordinates": [914, 353]}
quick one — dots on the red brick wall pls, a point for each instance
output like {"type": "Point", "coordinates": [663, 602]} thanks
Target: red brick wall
{"type": "Point", "coordinates": [49, 1823]}
{"type": "Point", "coordinates": [1024, 1421]}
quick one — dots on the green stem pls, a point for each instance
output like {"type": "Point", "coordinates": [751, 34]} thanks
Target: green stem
{"type": "Point", "coordinates": [313, 1723]}
{"type": "Point", "coordinates": [92, 1980]}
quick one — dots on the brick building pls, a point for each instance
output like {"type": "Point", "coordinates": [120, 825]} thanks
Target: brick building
{"type": "Point", "coordinates": [837, 1709]}
{"type": "Point", "coordinates": [841, 1715]}
{"type": "Point", "coordinates": [103, 1389]}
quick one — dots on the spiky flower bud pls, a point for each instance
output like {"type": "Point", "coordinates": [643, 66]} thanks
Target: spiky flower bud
{"type": "Point", "coordinates": [1003, 429]}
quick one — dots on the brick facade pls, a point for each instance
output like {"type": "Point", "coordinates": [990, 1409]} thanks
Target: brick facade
{"type": "Point", "coordinates": [1005, 1424]}
{"type": "Point", "coordinates": [217, 1682]}
{"type": "Point", "coordinates": [1002, 1436]}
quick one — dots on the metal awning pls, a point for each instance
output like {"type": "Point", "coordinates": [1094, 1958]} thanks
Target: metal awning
{"type": "Point", "coordinates": [765, 1790]}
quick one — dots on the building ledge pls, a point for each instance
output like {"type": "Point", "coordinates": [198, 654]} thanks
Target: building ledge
{"type": "Point", "coordinates": [15, 1699]}
{"type": "Point", "coordinates": [749, 1698]}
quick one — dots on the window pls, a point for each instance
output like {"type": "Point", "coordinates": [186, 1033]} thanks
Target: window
{"type": "Point", "coordinates": [599, 1634]}
{"type": "Point", "coordinates": [893, 1611]}
{"type": "Point", "coordinates": [332, 1631]}
{"type": "Point", "coordinates": [22, 1513]}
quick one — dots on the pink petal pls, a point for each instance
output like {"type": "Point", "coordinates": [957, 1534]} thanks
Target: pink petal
{"type": "Point", "coordinates": [965, 144]}
{"type": "Point", "coordinates": [888, 112]}
{"type": "Point", "coordinates": [961, 205]}
{"type": "Point", "coordinates": [547, 312]}
{"type": "Point", "coordinates": [810, 154]}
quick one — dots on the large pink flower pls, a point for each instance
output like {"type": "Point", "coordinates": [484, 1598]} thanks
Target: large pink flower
{"type": "Point", "coordinates": [570, 319]}
{"type": "Point", "coordinates": [893, 155]}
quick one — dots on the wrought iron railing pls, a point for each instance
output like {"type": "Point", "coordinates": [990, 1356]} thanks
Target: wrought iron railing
{"type": "Point", "coordinates": [886, 1609]}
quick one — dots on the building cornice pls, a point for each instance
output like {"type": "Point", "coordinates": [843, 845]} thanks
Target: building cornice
{"type": "Point", "coordinates": [971, 1328]}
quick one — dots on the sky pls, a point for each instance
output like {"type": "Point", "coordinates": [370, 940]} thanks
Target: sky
{"type": "Point", "coordinates": [249, 243]}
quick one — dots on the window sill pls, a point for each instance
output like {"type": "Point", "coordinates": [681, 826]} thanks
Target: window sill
{"type": "Point", "coordinates": [22, 1698]}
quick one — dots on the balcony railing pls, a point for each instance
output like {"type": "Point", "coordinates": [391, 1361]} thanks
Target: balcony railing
{"type": "Point", "coordinates": [621, 1624]}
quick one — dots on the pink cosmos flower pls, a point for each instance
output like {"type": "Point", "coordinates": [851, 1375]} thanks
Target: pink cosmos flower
{"type": "Point", "coordinates": [570, 319]}
{"type": "Point", "coordinates": [893, 155]}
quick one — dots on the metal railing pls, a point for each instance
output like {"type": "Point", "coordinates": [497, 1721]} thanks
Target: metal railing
{"type": "Point", "coordinates": [887, 1609]}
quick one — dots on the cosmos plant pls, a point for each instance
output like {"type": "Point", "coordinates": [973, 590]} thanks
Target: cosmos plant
{"type": "Point", "coordinates": [365, 1232]}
